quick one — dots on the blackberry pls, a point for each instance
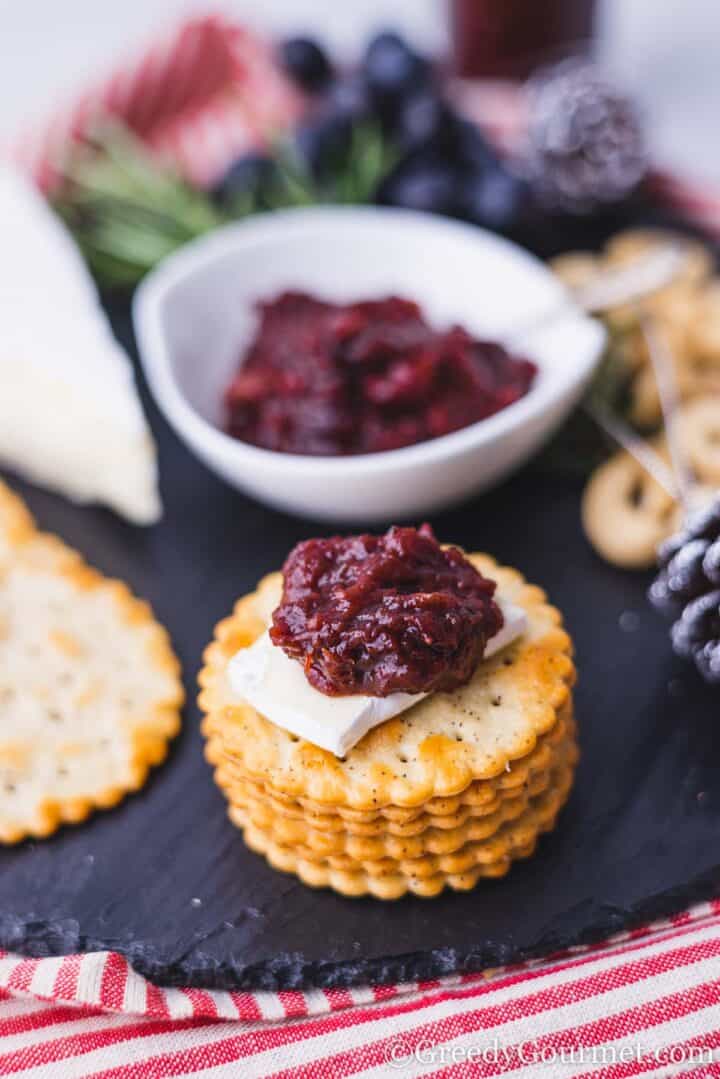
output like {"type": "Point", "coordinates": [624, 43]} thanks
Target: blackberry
{"type": "Point", "coordinates": [687, 587]}
{"type": "Point", "coordinates": [585, 143]}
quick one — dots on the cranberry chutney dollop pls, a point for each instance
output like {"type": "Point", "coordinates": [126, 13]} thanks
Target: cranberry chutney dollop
{"type": "Point", "coordinates": [376, 615]}
{"type": "Point", "coordinates": [331, 379]}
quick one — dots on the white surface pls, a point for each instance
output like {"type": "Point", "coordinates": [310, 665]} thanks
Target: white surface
{"type": "Point", "coordinates": [52, 51]}
{"type": "Point", "coordinates": [70, 417]}
{"type": "Point", "coordinates": [665, 53]}
{"type": "Point", "coordinates": [275, 684]}
{"type": "Point", "coordinates": [194, 316]}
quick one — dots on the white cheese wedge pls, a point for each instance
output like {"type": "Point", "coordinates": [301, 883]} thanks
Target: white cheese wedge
{"type": "Point", "coordinates": [70, 415]}
{"type": "Point", "coordinates": [275, 684]}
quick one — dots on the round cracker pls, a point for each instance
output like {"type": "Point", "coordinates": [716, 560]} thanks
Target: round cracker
{"type": "Point", "coordinates": [423, 877]}
{"type": "Point", "coordinates": [16, 523]}
{"type": "Point", "coordinates": [314, 841]}
{"type": "Point", "coordinates": [482, 842]}
{"type": "Point", "coordinates": [236, 787]}
{"type": "Point", "coordinates": [480, 794]}
{"type": "Point", "coordinates": [436, 749]}
{"type": "Point", "coordinates": [90, 689]}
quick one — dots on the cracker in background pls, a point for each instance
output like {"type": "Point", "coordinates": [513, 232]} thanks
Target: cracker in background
{"type": "Point", "coordinates": [90, 689]}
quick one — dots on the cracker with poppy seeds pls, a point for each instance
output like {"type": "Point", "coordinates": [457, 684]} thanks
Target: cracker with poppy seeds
{"type": "Point", "coordinates": [477, 847]}
{"type": "Point", "coordinates": [90, 689]}
{"type": "Point", "coordinates": [432, 840]}
{"type": "Point", "coordinates": [479, 799]}
{"type": "Point", "coordinates": [427, 876]}
{"type": "Point", "coordinates": [436, 749]}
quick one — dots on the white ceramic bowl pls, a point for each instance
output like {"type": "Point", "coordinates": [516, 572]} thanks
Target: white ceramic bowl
{"type": "Point", "coordinates": [194, 314]}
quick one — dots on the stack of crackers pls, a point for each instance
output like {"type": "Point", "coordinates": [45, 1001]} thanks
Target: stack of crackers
{"type": "Point", "coordinates": [449, 792]}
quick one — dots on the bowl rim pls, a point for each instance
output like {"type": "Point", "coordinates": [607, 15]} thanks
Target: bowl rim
{"type": "Point", "coordinates": [196, 255]}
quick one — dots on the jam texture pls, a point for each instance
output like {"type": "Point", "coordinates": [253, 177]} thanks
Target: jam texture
{"type": "Point", "coordinates": [326, 379]}
{"type": "Point", "coordinates": [376, 615]}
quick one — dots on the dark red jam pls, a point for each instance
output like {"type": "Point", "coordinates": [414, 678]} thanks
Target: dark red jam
{"type": "Point", "coordinates": [329, 379]}
{"type": "Point", "coordinates": [384, 614]}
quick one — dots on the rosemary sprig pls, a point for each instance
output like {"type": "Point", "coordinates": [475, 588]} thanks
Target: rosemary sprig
{"type": "Point", "coordinates": [127, 211]}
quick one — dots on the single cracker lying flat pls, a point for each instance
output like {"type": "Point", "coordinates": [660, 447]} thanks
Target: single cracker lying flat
{"type": "Point", "coordinates": [90, 689]}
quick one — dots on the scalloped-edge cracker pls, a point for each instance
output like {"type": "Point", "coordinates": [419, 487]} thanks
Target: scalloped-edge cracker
{"type": "Point", "coordinates": [426, 877]}
{"type": "Point", "coordinates": [90, 689]}
{"type": "Point", "coordinates": [480, 798]}
{"type": "Point", "coordinates": [431, 839]}
{"type": "Point", "coordinates": [436, 749]}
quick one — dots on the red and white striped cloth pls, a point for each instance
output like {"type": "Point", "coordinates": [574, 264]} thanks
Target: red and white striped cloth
{"type": "Point", "coordinates": [645, 1003]}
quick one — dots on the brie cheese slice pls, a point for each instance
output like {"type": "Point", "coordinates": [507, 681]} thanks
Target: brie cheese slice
{"type": "Point", "coordinates": [265, 677]}
{"type": "Point", "coordinates": [70, 415]}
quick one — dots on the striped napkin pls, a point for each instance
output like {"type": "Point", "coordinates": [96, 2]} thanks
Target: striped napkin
{"type": "Point", "coordinates": [646, 1002]}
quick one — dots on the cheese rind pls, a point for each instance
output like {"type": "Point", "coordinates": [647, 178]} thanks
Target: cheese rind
{"type": "Point", "coordinates": [276, 686]}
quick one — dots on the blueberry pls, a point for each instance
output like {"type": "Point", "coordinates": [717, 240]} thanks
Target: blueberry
{"type": "Point", "coordinates": [249, 175]}
{"type": "Point", "coordinates": [422, 118]}
{"type": "Point", "coordinates": [393, 70]}
{"type": "Point", "coordinates": [495, 199]}
{"type": "Point", "coordinates": [324, 143]}
{"type": "Point", "coordinates": [421, 184]}
{"type": "Point", "coordinates": [350, 98]}
{"type": "Point", "coordinates": [306, 63]}
{"type": "Point", "coordinates": [470, 148]}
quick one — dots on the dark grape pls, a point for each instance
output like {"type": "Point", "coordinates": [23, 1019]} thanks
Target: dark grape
{"type": "Point", "coordinates": [470, 148]}
{"type": "Point", "coordinates": [495, 199]}
{"type": "Point", "coordinates": [324, 143]}
{"type": "Point", "coordinates": [393, 70]}
{"type": "Point", "coordinates": [422, 118]}
{"type": "Point", "coordinates": [306, 63]}
{"type": "Point", "coordinates": [349, 97]}
{"type": "Point", "coordinates": [421, 183]}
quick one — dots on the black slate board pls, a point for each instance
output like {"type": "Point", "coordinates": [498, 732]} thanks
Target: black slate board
{"type": "Point", "coordinates": [166, 879]}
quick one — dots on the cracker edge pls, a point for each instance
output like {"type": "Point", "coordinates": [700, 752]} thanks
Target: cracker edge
{"type": "Point", "coordinates": [352, 884]}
